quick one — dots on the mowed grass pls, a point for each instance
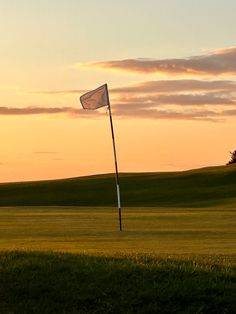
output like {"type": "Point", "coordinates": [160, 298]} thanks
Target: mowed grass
{"type": "Point", "coordinates": [165, 261]}
{"type": "Point", "coordinates": [95, 230]}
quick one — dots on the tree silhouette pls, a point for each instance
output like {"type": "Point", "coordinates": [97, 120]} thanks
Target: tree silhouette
{"type": "Point", "coordinates": [233, 158]}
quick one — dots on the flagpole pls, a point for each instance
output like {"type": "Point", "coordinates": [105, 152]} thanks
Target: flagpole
{"type": "Point", "coordinates": [116, 164]}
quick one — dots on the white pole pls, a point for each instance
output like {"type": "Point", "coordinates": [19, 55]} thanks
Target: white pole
{"type": "Point", "coordinates": [116, 165]}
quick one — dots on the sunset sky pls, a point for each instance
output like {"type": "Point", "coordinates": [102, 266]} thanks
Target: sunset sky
{"type": "Point", "coordinates": [170, 66]}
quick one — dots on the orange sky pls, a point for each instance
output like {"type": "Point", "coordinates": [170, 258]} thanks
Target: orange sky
{"type": "Point", "coordinates": [173, 104]}
{"type": "Point", "coordinates": [58, 147]}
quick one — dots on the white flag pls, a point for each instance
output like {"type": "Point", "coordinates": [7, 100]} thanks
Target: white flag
{"type": "Point", "coordinates": [96, 98]}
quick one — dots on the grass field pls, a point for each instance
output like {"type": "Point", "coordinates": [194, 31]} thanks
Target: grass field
{"type": "Point", "coordinates": [177, 253]}
{"type": "Point", "coordinates": [95, 230]}
{"type": "Point", "coordinates": [213, 186]}
{"type": "Point", "coordinates": [167, 260]}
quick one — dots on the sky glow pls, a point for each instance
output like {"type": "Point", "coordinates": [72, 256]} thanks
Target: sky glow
{"type": "Point", "coordinates": [171, 71]}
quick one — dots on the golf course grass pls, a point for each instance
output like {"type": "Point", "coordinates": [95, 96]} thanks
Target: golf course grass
{"type": "Point", "coordinates": [95, 230]}
{"type": "Point", "coordinates": [195, 188]}
{"type": "Point", "coordinates": [62, 253]}
{"type": "Point", "coordinates": [75, 260]}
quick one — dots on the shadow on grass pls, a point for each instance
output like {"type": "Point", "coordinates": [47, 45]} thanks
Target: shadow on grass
{"type": "Point", "coordinates": [35, 282]}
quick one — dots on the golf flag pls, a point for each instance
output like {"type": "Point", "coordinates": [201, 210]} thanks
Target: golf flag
{"type": "Point", "coordinates": [96, 98]}
{"type": "Point", "coordinates": [92, 100]}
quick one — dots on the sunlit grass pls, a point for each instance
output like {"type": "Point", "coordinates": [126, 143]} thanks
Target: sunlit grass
{"type": "Point", "coordinates": [95, 230]}
{"type": "Point", "coordinates": [167, 260]}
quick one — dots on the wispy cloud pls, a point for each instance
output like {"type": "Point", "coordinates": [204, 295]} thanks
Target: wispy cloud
{"type": "Point", "coordinates": [162, 86]}
{"type": "Point", "coordinates": [177, 99]}
{"type": "Point", "coordinates": [187, 99]}
{"type": "Point", "coordinates": [175, 86]}
{"type": "Point", "coordinates": [33, 110]}
{"type": "Point", "coordinates": [147, 111]}
{"type": "Point", "coordinates": [167, 114]}
{"type": "Point", "coordinates": [217, 62]}
{"type": "Point", "coordinates": [211, 100]}
{"type": "Point", "coordinates": [199, 114]}
{"type": "Point", "coordinates": [71, 111]}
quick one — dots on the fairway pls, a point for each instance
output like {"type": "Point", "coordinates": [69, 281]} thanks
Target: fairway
{"type": "Point", "coordinates": [95, 230]}
{"type": "Point", "coordinates": [207, 187]}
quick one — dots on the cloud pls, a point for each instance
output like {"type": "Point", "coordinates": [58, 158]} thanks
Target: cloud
{"type": "Point", "coordinates": [211, 100]}
{"type": "Point", "coordinates": [229, 112]}
{"type": "Point", "coordinates": [71, 111]}
{"type": "Point", "coordinates": [174, 114]}
{"type": "Point", "coordinates": [134, 110]}
{"type": "Point", "coordinates": [162, 86]}
{"type": "Point", "coordinates": [147, 113]}
{"type": "Point", "coordinates": [217, 62]}
{"type": "Point", "coordinates": [170, 86]}
{"type": "Point", "coordinates": [176, 92]}
{"type": "Point", "coordinates": [31, 110]}
{"type": "Point", "coordinates": [178, 99]}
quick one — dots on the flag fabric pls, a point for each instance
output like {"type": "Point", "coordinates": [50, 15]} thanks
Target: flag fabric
{"type": "Point", "coordinates": [96, 98]}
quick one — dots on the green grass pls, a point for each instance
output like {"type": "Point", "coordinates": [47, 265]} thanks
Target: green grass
{"type": "Point", "coordinates": [95, 230]}
{"type": "Point", "coordinates": [69, 283]}
{"type": "Point", "coordinates": [177, 253]}
{"type": "Point", "coordinates": [212, 186]}
{"type": "Point", "coordinates": [167, 260]}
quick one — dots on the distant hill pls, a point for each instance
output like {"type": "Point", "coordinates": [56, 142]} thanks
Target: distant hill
{"type": "Point", "coordinates": [210, 186]}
